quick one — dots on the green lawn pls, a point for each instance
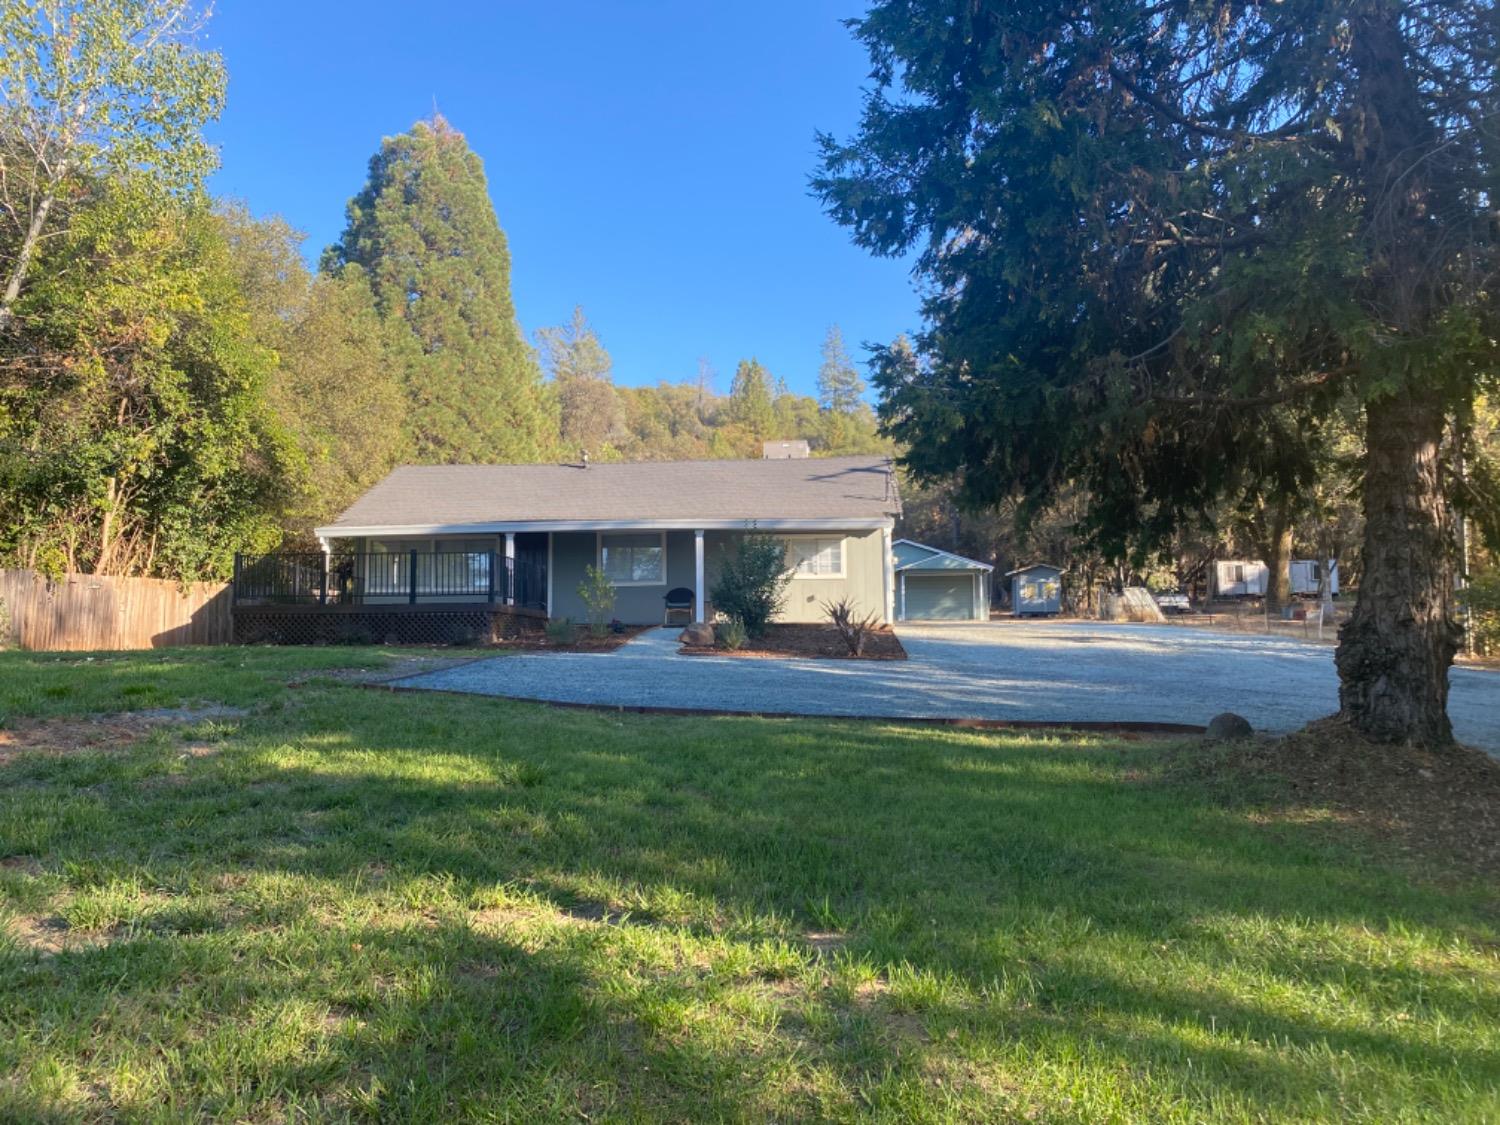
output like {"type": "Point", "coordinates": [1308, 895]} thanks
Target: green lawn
{"type": "Point", "coordinates": [350, 904]}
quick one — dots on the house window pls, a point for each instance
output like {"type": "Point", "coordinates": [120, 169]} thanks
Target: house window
{"type": "Point", "coordinates": [634, 559]}
{"type": "Point", "coordinates": [1236, 572]}
{"type": "Point", "coordinates": [815, 558]}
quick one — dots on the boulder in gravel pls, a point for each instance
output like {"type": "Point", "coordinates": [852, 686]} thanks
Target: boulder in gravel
{"type": "Point", "coordinates": [699, 635]}
{"type": "Point", "coordinates": [1227, 727]}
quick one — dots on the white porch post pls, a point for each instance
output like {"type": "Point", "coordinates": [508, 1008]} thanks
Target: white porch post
{"type": "Point", "coordinates": [698, 575]}
{"type": "Point", "coordinates": [903, 597]}
{"type": "Point", "coordinates": [890, 576]}
{"type": "Point", "coordinates": [510, 568]}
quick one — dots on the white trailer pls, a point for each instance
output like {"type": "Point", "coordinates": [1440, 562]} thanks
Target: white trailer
{"type": "Point", "coordinates": [1247, 578]}
{"type": "Point", "coordinates": [1307, 578]}
{"type": "Point", "coordinates": [1240, 578]}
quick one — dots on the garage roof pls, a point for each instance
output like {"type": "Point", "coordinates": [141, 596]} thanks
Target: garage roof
{"type": "Point", "coordinates": [911, 555]}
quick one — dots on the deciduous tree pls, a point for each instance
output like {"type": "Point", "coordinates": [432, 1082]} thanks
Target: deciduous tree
{"type": "Point", "coordinates": [136, 433]}
{"type": "Point", "coordinates": [89, 90]}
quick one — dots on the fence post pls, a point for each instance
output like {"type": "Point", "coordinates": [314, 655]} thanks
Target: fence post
{"type": "Point", "coordinates": [411, 578]}
{"type": "Point", "coordinates": [490, 591]}
{"type": "Point", "coordinates": [234, 589]}
{"type": "Point", "coordinates": [323, 581]}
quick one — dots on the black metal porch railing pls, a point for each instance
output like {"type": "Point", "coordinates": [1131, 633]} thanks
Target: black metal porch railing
{"type": "Point", "coordinates": [388, 578]}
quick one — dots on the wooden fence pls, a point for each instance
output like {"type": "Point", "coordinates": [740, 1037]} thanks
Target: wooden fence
{"type": "Point", "coordinates": [82, 612]}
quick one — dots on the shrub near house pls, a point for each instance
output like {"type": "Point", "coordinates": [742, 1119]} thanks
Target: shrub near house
{"type": "Point", "coordinates": [753, 578]}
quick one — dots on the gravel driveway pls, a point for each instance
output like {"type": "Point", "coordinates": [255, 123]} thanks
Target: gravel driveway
{"type": "Point", "coordinates": [1053, 671]}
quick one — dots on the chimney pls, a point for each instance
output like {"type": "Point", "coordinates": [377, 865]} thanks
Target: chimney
{"type": "Point", "coordinates": [784, 450]}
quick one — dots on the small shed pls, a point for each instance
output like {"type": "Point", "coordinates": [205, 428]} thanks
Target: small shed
{"type": "Point", "coordinates": [937, 585]}
{"type": "Point", "coordinates": [1036, 590]}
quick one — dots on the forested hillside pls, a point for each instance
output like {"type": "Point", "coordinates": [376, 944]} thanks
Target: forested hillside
{"type": "Point", "coordinates": [177, 384]}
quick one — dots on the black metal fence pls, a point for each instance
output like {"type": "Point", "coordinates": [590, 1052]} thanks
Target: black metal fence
{"type": "Point", "coordinates": [370, 578]}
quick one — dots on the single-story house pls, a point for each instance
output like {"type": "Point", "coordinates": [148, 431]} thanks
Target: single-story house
{"type": "Point", "coordinates": [1035, 590]}
{"type": "Point", "coordinates": [652, 527]}
{"type": "Point", "coordinates": [937, 585]}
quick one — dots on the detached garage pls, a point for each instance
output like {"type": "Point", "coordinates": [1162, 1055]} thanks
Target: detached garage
{"type": "Point", "coordinates": [934, 585]}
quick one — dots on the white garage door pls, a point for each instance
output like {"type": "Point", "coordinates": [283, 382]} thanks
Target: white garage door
{"type": "Point", "coordinates": [940, 597]}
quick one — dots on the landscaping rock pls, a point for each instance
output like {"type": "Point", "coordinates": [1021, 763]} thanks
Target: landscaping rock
{"type": "Point", "coordinates": [1228, 727]}
{"type": "Point", "coordinates": [700, 635]}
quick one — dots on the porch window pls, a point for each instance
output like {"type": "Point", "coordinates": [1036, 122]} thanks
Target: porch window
{"type": "Point", "coordinates": [388, 575]}
{"type": "Point", "coordinates": [634, 558]}
{"type": "Point", "coordinates": [816, 558]}
{"type": "Point", "coordinates": [459, 567]}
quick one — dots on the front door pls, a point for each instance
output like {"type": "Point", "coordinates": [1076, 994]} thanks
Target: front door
{"type": "Point", "coordinates": [531, 569]}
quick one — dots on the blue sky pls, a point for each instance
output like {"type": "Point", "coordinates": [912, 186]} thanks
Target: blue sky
{"type": "Point", "coordinates": [648, 161]}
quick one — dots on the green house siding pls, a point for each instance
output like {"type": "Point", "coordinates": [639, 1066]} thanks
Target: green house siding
{"type": "Point", "coordinates": [573, 551]}
{"type": "Point", "coordinates": [863, 580]}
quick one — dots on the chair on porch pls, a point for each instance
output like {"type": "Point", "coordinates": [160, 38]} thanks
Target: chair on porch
{"type": "Point", "coordinates": [679, 599]}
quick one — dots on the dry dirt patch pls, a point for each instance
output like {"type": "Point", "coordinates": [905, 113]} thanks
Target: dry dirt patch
{"type": "Point", "coordinates": [1443, 806]}
{"type": "Point", "coordinates": [50, 935]}
{"type": "Point", "coordinates": [110, 732]}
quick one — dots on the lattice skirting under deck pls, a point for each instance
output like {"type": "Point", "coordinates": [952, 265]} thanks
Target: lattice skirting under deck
{"type": "Point", "coordinates": [382, 625]}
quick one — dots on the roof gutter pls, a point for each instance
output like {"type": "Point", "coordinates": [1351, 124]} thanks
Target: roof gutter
{"type": "Point", "coordinates": [863, 523]}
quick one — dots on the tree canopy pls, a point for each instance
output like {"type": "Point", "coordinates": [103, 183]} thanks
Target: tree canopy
{"type": "Point", "coordinates": [590, 414]}
{"type": "Point", "coordinates": [136, 434]}
{"type": "Point", "coordinates": [424, 232]}
{"type": "Point", "coordinates": [94, 91]}
{"type": "Point", "coordinates": [1165, 241]}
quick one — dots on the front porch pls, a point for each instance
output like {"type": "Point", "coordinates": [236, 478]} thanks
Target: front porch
{"type": "Point", "coordinates": [443, 584]}
{"type": "Point", "coordinates": [385, 596]}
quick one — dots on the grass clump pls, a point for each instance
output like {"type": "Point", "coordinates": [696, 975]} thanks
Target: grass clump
{"type": "Point", "coordinates": [731, 635]}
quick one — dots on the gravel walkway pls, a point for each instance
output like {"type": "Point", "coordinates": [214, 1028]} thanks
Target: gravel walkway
{"type": "Point", "coordinates": [1051, 671]}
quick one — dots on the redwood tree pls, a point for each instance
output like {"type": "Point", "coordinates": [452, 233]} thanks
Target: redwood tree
{"type": "Point", "coordinates": [424, 232]}
{"type": "Point", "coordinates": [1165, 239]}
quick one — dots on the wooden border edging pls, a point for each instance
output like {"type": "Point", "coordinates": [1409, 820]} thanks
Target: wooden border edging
{"type": "Point", "coordinates": [1083, 726]}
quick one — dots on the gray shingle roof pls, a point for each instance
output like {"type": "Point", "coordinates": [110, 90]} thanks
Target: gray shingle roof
{"type": "Point", "coordinates": [823, 488]}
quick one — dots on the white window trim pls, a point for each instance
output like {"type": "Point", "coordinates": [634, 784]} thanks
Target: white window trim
{"type": "Point", "coordinates": [843, 571]}
{"type": "Point", "coordinates": [599, 556]}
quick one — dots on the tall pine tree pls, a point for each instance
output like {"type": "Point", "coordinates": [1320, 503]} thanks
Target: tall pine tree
{"type": "Point", "coordinates": [839, 384]}
{"type": "Point", "coordinates": [750, 401]}
{"type": "Point", "coordinates": [592, 417]}
{"type": "Point", "coordinates": [425, 233]}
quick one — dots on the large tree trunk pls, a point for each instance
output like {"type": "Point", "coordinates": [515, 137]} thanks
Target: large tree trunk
{"type": "Point", "coordinates": [1276, 549]}
{"type": "Point", "coordinates": [1395, 651]}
